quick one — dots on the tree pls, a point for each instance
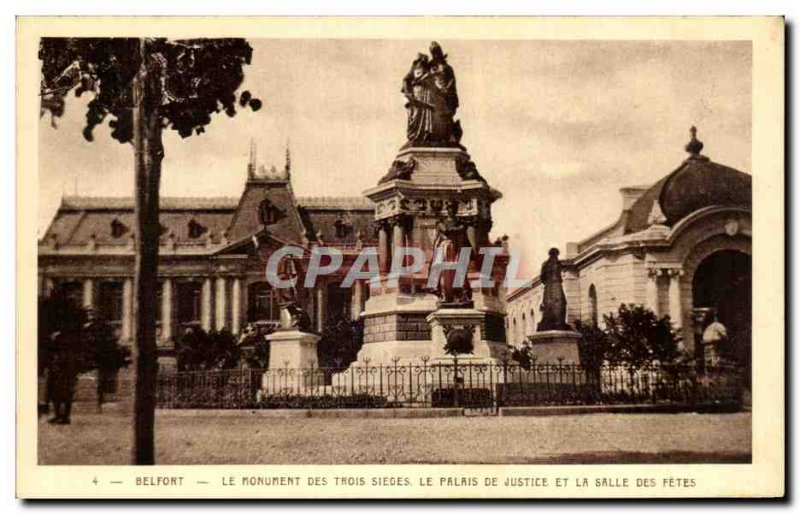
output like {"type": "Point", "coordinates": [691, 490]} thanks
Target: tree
{"type": "Point", "coordinates": [340, 342]}
{"type": "Point", "coordinates": [593, 346]}
{"type": "Point", "coordinates": [201, 350]}
{"type": "Point", "coordinates": [144, 86]}
{"type": "Point", "coordinates": [637, 337]}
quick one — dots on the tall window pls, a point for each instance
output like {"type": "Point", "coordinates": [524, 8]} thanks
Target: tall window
{"type": "Point", "coordinates": [109, 304]}
{"type": "Point", "coordinates": [593, 304]}
{"type": "Point", "coordinates": [262, 303]}
{"type": "Point", "coordinates": [190, 298]}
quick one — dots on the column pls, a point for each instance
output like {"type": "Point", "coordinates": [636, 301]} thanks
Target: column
{"type": "Point", "coordinates": [219, 317]}
{"type": "Point", "coordinates": [358, 299]}
{"type": "Point", "coordinates": [205, 305]}
{"type": "Point", "coordinates": [675, 314]}
{"type": "Point", "coordinates": [321, 306]}
{"type": "Point", "coordinates": [166, 309]}
{"type": "Point", "coordinates": [398, 236]}
{"type": "Point", "coordinates": [236, 305]}
{"type": "Point", "coordinates": [88, 293]}
{"type": "Point", "coordinates": [651, 289]}
{"type": "Point", "coordinates": [47, 286]}
{"type": "Point", "coordinates": [383, 249]}
{"type": "Point", "coordinates": [127, 309]}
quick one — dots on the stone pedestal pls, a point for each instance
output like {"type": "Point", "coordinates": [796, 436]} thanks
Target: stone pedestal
{"type": "Point", "coordinates": [416, 193]}
{"type": "Point", "coordinates": [487, 330]}
{"type": "Point", "coordinates": [293, 364]}
{"type": "Point", "coordinates": [551, 345]}
{"type": "Point", "coordinates": [395, 328]}
{"type": "Point", "coordinates": [292, 349]}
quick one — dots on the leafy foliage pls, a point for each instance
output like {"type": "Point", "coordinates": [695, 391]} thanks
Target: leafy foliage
{"type": "Point", "coordinates": [522, 355]}
{"type": "Point", "coordinates": [636, 336]}
{"type": "Point", "coordinates": [201, 350]}
{"type": "Point", "coordinates": [341, 340]}
{"type": "Point", "coordinates": [593, 347]}
{"type": "Point", "coordinates": [199, 77]}
{"type": "Point", "coordinates": [254, 346]}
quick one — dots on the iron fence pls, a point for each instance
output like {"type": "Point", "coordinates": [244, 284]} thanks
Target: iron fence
{"type": "Point", "coordinates": [471, 385]}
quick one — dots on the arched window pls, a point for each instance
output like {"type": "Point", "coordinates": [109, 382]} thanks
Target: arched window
{"type": "Point", "coordinates": [593, 304]}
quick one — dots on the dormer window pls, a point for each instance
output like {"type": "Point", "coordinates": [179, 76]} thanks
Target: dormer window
{"type": "Point", "coordinates": [196, 229]}
{"type": "Point", "coordinates": [268, 213]}
{"type": "Point", "coordinates": [118, 229]}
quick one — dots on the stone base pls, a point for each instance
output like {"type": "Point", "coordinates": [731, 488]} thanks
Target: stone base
{"type": "Point", "coordinates": [555, 346]}
{"type": "Point", "coordinates": [292, 349]}
{"type": "Point", "coordinates": [487, 335]}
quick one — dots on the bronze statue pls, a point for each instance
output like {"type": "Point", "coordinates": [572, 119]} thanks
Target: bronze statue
{"type": "Point", "coordinates": [430, 88]}
{"type": "Point", "coordinates": [292, 317]}
{"type": "Point", "coordinates": [451, 237]}
{"type": "Point", "coordinates": [554, 303]}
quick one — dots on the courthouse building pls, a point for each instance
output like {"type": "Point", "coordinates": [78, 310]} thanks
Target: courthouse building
{"type": "Point", "coordinates": [681, 247]}
{"type": "Point", "coordinates": [212, 255]}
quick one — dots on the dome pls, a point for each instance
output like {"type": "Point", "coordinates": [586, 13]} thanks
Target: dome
{"type": "Point", "coordinates": [698, 182]}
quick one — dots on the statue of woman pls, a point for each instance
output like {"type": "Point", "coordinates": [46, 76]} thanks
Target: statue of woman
{"type": "Point", "coordinates": [445, 98]}
{"type": "Point", "coordinates": [418, 90]}
{"type": "Point", "coordinates": [554, 302]}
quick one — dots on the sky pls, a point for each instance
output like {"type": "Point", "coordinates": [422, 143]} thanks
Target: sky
{"type": "Point", "coordinates": [558, 127]}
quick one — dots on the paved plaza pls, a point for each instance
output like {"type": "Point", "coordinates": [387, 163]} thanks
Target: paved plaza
{"type": "Point", "coordinates": [215, 437]}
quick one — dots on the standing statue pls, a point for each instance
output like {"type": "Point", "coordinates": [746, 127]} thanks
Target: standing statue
{"type": "Point", "coordinates": [451, 237]}
{"type": "Point", "coordinates": [430, 88]}
{"type": "Point", "coordinates": [292, 317]}
{"type": "Point", "coordinates": [554, 303]}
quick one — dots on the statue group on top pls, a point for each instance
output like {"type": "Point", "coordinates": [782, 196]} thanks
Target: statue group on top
{"type": "Point", "coordinates": [430, 88]}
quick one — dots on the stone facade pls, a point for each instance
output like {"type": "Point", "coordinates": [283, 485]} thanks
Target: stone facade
{"type": "Point", "coordinates": [648, 257]}
{"type": "Point", "coordinates": [213, 254]}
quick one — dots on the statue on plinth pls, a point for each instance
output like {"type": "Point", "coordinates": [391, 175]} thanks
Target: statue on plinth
{"type": "Point", "coordinates": [292, 316]}
{"type": "Point", "coordinates": [554, 302]}
{"type": "Point", "coordinates": [451, 237]}
{"type": "Point", "coordinates": [432, 100]}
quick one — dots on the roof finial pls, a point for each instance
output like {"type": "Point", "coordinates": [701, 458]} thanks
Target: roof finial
{"type": "Point", "coordinates": [288, 166]}
{"type": "Point", "coordinates": [695, 146]}
{"type": "Point", "coordinates": [251, 164]}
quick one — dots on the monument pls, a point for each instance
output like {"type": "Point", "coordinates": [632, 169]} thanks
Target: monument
{"type": "Point", "coordinates": [432, 198]}
{"type": "Point", "coordinates": [292, 345]}
{"type": "Point", "coordinates": [554, 340]}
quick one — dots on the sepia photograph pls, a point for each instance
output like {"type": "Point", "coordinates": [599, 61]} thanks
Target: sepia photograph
{"type": "Point", "coordinates": [423, 249]}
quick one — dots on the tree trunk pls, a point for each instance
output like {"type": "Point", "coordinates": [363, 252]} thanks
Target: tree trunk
{"type": "Point", "coordinates": [148, 155]}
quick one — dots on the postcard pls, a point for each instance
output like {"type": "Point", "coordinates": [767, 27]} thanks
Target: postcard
{"type": "Point", "coordinates": [409, 257]}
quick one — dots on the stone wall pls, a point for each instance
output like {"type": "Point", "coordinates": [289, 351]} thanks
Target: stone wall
{"type": "Point", "coordinates": [396, 327]}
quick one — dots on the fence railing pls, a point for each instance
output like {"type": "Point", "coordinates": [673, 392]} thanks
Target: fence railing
{"type": "Point", "coordinates": [454, 384]}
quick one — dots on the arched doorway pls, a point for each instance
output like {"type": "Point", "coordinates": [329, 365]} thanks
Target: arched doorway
{"type": "Point", "coordinates": [723, 283]}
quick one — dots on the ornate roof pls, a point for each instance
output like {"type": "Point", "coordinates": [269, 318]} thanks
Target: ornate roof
{"type": "Point", "coordinates": [211, 222]}
{"type": "Point", "coordinates": [698, 182]}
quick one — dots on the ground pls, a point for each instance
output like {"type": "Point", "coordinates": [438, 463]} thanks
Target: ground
{"type": "Point", "coordinates": [211, 438]}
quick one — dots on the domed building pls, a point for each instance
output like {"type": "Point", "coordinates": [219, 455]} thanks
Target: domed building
{"type": "Point", "coordinates": [681, 247]}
